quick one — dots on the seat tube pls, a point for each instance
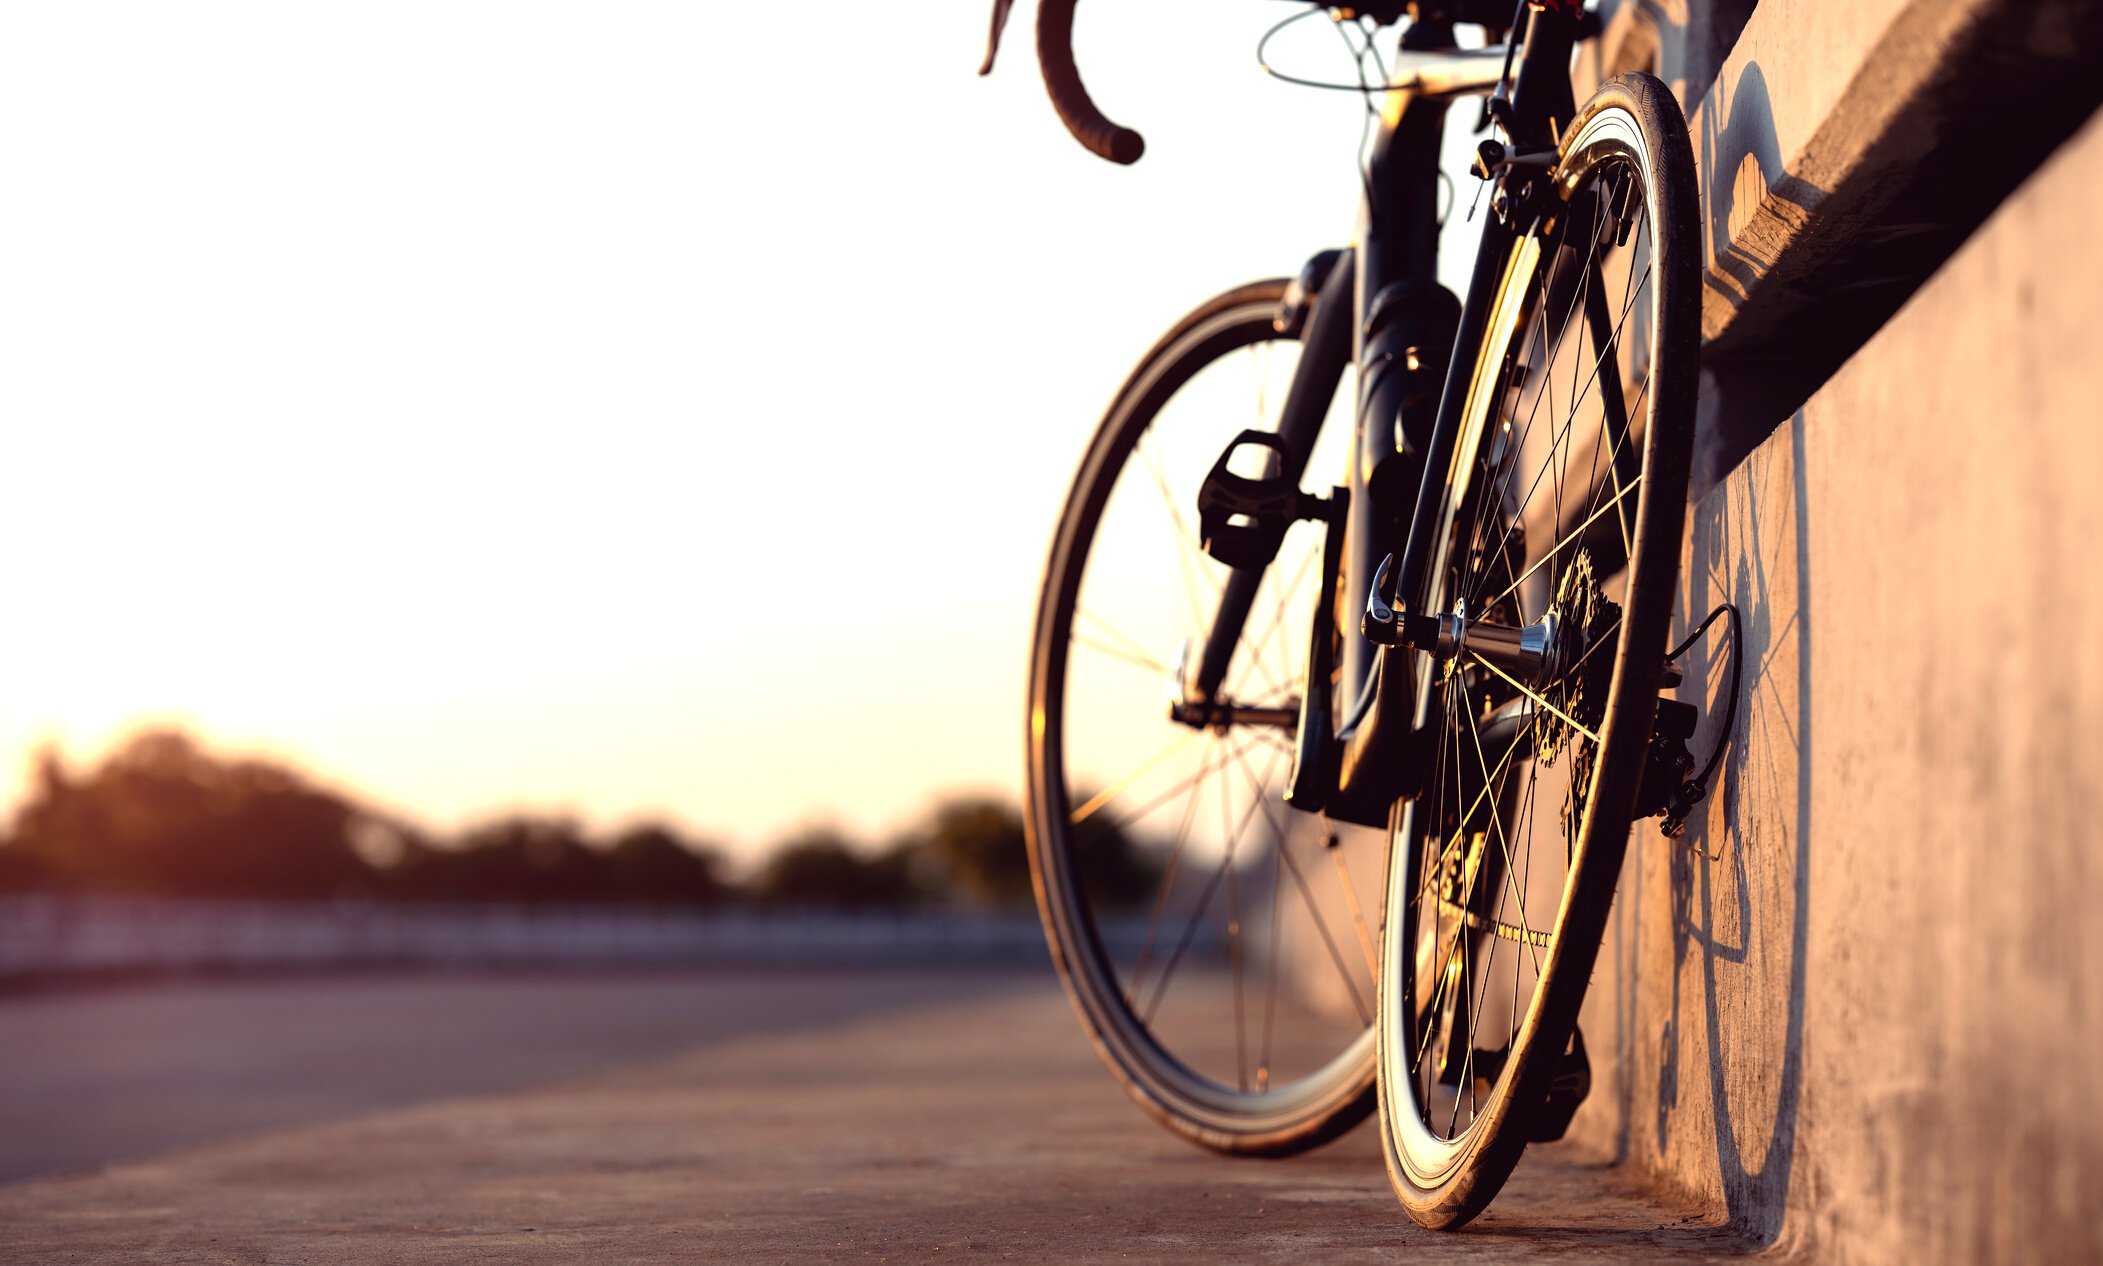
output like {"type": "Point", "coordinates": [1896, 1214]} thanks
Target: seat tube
{"type": "Point", "coordinates": [1438, 458]}
{"type": "Point", "coordinates": [1398, 234]}
{"type": "Point", "coordinates": [1541, 106]}
{"type": "Point", "coordinates": [1325, 352]}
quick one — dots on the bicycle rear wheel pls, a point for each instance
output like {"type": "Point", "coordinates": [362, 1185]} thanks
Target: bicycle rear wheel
{"type": "Point", "coordinates": [1215, 944]}
{"type": "Point", "coordinates": [1564, 514]}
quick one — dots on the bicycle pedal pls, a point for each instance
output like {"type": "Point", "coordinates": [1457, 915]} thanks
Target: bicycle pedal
{"type": "Point", "coordinates": [1566, 1092]}
{"type": "Point", "coordinates": [1242, 519]}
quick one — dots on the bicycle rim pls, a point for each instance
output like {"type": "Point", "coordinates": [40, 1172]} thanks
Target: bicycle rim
{"type": "Point", "coordinates": [1196, 989]}
{"type": "Point", "coordinates": [1503, 870]}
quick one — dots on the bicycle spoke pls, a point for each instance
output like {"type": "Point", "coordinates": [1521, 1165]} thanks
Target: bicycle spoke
{"type": "Point", "coordinates": [1463, 915]}
{"type": "Point", "coordinates": [1204, 771]}
{"type": "Point", "coordinates": [1467, 1059]}
{"type": "Point", "coordinates": [1260, 362]}
{"type": "Point", "coordinates": [1270, 975]}
{"type": "Point", "coordinates": [1613, 341]}
{"type": "Point", "coordinates": [1568, 539]}
{"type": "Point", "coordinates": [1537, 697]}
{"type": "Point", "coordinates": [1120, 654]}
{"type": "Point", "coordinates": [1610, 402]}
{"type": "Point", "coordinates": [1537, 334]}
{"type": "Point", "coordinates": [1131, 647]}
{"type": "Point", "coordinates": [1269, 637]}
{"type": "Point", "coordinates": [1526, 811]}
{"type": "Point", "coordinates": [1460, 832]}
{"type": "Point", "coordinates": [1584, 294]}
{"type": "Point", "coordinates": [1119, 787]}
{"type": "Point", "coordinates": [1436, 871]}
{"type": "Point", "coordinates": [1204, 904]}
{"type": "Point", "coordinates": [1614, 456]}
{"type": "Point", "coordinates": [1252, 664]}
{"type": "Point", "coordinates": [1365, 934]}
{"type": "Point", "coordinates": [1187, 557]}
{"type": "Point", "coordinates": [1280, 696]}
{"type": "Point", "coordinates": [1460, 934]}
{"type": "Point", "coordinates": [1519, 516]}
{"type": "Point", "coordinates": [1497, 820]}
{"type": "Point", "coordinates": [1276, 740]}
{"type": "Point", "coordinates": [1168, 882]}
{"type": "Point", "coordinates": [1314, 912]}
{"type": "Point", "coordinates": [1278, 635]}
{"type": "Point", "coordinates": [1438, 785]}
{"type": "Point", "coordinates": [1555, 351]}
{"type": "Point", "coordinates": [1241, 1026]}
{"type": "Point", "coordinates": [1605, 638]}
{"type": "Point", "coordinates": [1275, 638]}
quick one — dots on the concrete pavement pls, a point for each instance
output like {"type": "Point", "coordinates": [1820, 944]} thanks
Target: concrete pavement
{"type": "Point", "coordinates": [980, 1126]}
{"type": "Point", "coordinates": [93, 1076]}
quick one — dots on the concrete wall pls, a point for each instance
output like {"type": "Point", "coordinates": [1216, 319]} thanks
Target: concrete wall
{"type": "Point", "coordinates": [1860, 1007]}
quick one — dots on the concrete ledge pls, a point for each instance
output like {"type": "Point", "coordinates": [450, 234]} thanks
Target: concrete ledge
{"type": "Point", "coordinates": [1846, 150]}
{"type": "Point", "coordinates": [1812, 138]}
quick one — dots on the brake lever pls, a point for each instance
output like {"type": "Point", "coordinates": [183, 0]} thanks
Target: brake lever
{"type": "Point", "coordinates": [1000, 23]}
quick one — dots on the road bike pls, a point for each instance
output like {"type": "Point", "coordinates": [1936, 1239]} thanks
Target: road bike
{"type": "Point", "coordinates": [1361, 854]}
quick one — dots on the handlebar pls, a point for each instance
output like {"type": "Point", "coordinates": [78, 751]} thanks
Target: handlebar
{"type": "Point", "coordinates": [1062, 80]}
{"type": "Point", "coordinates": [1093, 129]}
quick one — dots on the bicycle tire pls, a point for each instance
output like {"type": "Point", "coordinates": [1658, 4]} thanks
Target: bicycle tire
{"type": "Point", "coordinates": [1244, 1106]}
{"type": "Point", "coordinates": [1461, 879]}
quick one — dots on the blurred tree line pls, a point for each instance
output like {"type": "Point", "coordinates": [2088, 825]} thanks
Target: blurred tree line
{"type": "Point", "coordinates": [162, 817]}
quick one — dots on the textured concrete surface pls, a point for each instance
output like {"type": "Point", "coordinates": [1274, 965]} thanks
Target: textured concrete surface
{"type": "Point", "coordinates": [980, 1128]}
{"type": "Point", "coordinates": [98, 1075]}
{"type": "Point", "coordinates": [1817, 122]}
{"type": "Point", "coordinates": [1859, 1014]}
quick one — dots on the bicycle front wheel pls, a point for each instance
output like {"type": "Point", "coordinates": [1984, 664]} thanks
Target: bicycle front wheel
{"type": "Point", "coordinates": [1563, 515]}
{"type": "Point", "coordinates": [1217, 946]}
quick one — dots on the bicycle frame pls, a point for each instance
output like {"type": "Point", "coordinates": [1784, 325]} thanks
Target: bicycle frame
{"type": "Point", "coordinates": [1356, 771]}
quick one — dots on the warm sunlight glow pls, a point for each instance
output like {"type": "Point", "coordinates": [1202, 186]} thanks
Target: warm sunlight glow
{"type": "Point", "coordinates": [532, 405]}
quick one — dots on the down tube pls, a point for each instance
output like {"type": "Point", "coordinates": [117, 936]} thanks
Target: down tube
{"type": "Point", "coordinates": [1398, 235]}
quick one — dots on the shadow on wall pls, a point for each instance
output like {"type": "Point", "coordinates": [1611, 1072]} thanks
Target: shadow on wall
{"type": "Point", "coordinates": [1751, 207]}
{"type": "Point", "coordinates": [1740, 159]}
{"type": "Point", "coordinates": [1740, 879]}
{"type": "Point", "coordinates": [1680, 42]}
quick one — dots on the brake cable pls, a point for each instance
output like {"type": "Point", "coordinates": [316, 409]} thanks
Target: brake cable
{"type": "Point", "coordinates": [1696, 789]}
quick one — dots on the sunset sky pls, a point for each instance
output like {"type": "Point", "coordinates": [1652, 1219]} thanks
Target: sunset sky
{"type": "Point", "coordinates": [620, 409]}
